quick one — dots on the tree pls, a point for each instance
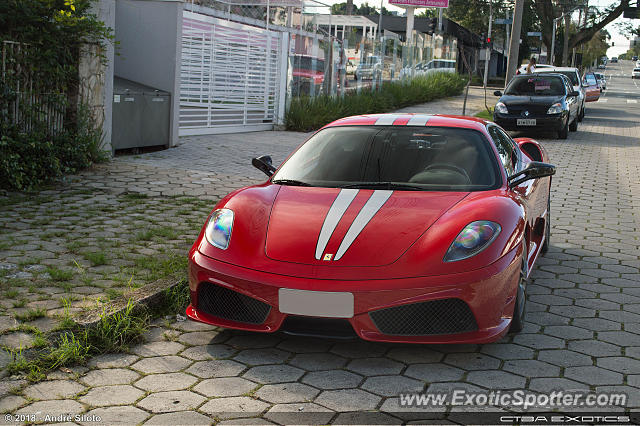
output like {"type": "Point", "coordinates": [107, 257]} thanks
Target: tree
{"type": "Point", "coordinates": [595, 48]}
{"type": "Point", "coordinates": [363, 10]}
{"type": "Point", "coordinates": [548, 10]}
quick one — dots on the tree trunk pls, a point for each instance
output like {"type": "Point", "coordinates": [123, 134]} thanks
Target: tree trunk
{"type": "Point", "coordinates": [565, 44]}
{"type": "Point", "coordinates": [349, 7]}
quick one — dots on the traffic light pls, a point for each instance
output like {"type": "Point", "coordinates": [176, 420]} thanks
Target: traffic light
{"type": "Point", "coordinates": [489, 43]}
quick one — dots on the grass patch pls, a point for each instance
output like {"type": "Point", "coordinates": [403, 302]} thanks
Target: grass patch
{"type": "Point", "coordinates": [75, 246]}
{"type": "Point", "coordinates": [487, 115]}
{"type": "Point", "coordinates": [160, 266]}
{"type": "Point", "coordinates": [306, 113]}
{"type": "Point", "coordinates": [11, 294]}
{"type": "Point", "coordinates": [116, 332]}
{"type": "Point", "coordinates": [164, 232]}
{"type": "Point", "coordinates": [19, 303]}
{"type": "Point", "coordinates": [113, 333]}
{"type": "Point", "coordinates": [31, 314]}
{"type": "Point", "coordinates": [177, 298]}
{"type": "Point", "coordinates": [59, 274]}
{"type": "Point", "coordinates": [135, 196]}
{"type": "Point", "coordinates": [97, 258]}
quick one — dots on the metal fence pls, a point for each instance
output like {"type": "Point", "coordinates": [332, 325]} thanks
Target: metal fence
{"type": "Point", "coordinates": [24, 101]}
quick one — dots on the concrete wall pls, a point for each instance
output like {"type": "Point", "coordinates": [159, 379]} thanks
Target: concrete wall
{"type": "Point", "coordinates": [96, 75]}
{"type": "Point", "coordinates": [149, 51]}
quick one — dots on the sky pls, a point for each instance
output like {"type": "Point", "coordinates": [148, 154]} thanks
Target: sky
{"type": "Point", "coordinates": [621, 43]}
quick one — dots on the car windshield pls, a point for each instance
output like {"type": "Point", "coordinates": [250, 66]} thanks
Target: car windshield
{"type": "Point", "coordinates": [572, 75]}
{"type": "Point", "coordinates": [636, 69]}
{"type": "Point", "coordinates": [535, 86]}
{"type": "Point", "coordinates": [403, 158]}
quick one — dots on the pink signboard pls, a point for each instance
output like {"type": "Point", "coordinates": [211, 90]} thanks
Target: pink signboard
{"type": "Point", "coordinates": [420, 3]}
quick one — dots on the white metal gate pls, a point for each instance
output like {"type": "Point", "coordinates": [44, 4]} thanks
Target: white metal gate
{"type": "Point", "coordinates": [230, 76]}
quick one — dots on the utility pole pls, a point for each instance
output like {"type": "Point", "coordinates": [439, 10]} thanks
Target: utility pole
{"type": "Point", "coordinates": [553, 41]}
{"type": "Point", "coordinates": [487, 56]}
{"type": "Point", "coordinates": [508, 35]}
{"type": "Point", "coordinates": [514, 45]}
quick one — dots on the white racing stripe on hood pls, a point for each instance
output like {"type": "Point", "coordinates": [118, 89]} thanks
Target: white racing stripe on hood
{"type": "Point", "coordinates": [418, 120]}
{"type": "Point", "coordinates": [387, 120]}
{"type": "Point", "coordinates": [371, 207]}
{"type": "Point", "coordinates": [339, 206]}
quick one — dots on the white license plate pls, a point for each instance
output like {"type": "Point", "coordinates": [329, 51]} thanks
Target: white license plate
{"type": "Point", "coordinates": [316, 303]}
{"type": "Point", "coordinates": [526, 122]}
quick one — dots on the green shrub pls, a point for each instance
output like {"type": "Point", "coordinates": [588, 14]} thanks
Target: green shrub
{"type": "Point", "coordinates": [41, 42]}
{"type": "Point", "coordinates": [30, 159]}
{"type": "Point", "coordinates": [306, 113]}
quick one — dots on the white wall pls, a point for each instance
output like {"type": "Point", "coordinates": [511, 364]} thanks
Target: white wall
{"type": "Point", "coordinates": [149, 51]}
{"type": "Point", "coordinates": [105, 10]}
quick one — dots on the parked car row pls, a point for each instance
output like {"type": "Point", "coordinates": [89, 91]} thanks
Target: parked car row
{"type": "Point", "coordinates": [425, 68]}
{"type": "Point", "coordinates": [552, 98]}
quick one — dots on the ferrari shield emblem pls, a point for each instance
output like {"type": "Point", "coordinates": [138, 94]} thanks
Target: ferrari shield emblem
{"type": "Point", "coordinates": [327, 256]}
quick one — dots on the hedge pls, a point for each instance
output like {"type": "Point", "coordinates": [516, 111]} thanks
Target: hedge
{"type": "Point", "coordinates": [306, 113]}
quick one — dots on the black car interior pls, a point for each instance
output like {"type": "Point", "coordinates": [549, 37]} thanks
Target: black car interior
{"type": "Point", "coordinates": [430, 156]}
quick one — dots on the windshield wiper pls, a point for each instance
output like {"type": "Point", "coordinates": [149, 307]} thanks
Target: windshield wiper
{"type": "Point", "coordinates": [290, 182]}
{"type": "Point", "coordinates": [386, 185]}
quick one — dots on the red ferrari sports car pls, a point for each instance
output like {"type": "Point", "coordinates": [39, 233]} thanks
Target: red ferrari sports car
{"type": "Point", "coordinates": [394, 227]}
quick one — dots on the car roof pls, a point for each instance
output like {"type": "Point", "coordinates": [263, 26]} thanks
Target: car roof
{"type": "Point", "coordinates": [551, 69]}
{"type": "Point", "coordinates": [546, 74]}
{"type": "Point", "coordinates": [403, 119]}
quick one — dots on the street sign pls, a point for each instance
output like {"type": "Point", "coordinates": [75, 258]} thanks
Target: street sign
{"type": "Point", "coordinates": [503, 21]}
{"type": "Point", "coordinates": [421, 3]}
{"type": "Point", "coordinates": [534, 34]}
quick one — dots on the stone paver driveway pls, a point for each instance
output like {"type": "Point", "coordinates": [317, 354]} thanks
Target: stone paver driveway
{"type": "Point", "coordinates": [582, 332]}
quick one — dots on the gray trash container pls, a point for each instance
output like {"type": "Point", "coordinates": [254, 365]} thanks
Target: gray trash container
{"type": "Point", "coordinates": [141, 115]}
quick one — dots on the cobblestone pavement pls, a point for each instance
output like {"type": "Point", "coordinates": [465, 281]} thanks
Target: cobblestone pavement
{"type": "Point", "coordinates": [63, 251]}
{"type": "Point", "coordinates": [582, 331]}
{"type": "Point", "coordinates": [114, 227]}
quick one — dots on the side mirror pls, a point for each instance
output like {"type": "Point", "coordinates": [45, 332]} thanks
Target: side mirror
{"type": "Point", "coordinates": [497, 93]}
{"type": "Point", "coordinates": [264, 164]}
{"type": "Point", "coordinates": [574, 93]}
{"type": "Point", "coordinates": [534, 170]}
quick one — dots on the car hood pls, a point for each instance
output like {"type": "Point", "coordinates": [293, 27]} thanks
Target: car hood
{"type": "Point", "coordinates": [330, 226]}
{"type": "Point", "coordinates": [530, 100]}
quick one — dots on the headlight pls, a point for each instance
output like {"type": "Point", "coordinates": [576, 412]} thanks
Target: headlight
{"type": "Point", "coordinates": [501, 108]}
{"type": "Point", "coordinates": [474, 238]}
{"type": "Point", "coordinates": [218, 231]}
{"type": "Point", "coordinates": [555, 108]}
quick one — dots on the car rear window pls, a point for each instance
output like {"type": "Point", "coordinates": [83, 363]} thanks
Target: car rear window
{"type": "Point", "coordinates": [636, 69]}
{"type": "Point", "coordinates": [426, 158]}
{"type": "Point", "coordinates": [536, 86]}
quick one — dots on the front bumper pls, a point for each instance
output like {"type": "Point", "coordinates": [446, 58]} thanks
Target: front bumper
{"type": "Point", "coordinates": [489, 294]}
{"type": "Point", "coordinates": [552, 122]}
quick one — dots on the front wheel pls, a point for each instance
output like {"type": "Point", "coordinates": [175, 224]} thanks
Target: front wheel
{"type": "Point", "coordinates": [517, 322]}
{"type": "Point", "coordinates": [564, 132]}
{"type": "Point", "coordinates": [574, 125]}
{"type": "Point", "coordinates": [547, 229]}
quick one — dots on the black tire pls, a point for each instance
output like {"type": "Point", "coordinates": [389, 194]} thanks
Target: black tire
{"type": "Point", "coordinates": [517, 323]}
{"type": "Point", "coordinates": [573, 127]}
{"type": "Point", "coordinates": [547, 229]}
{"type": "Point", "coordinates": [564, 132]}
